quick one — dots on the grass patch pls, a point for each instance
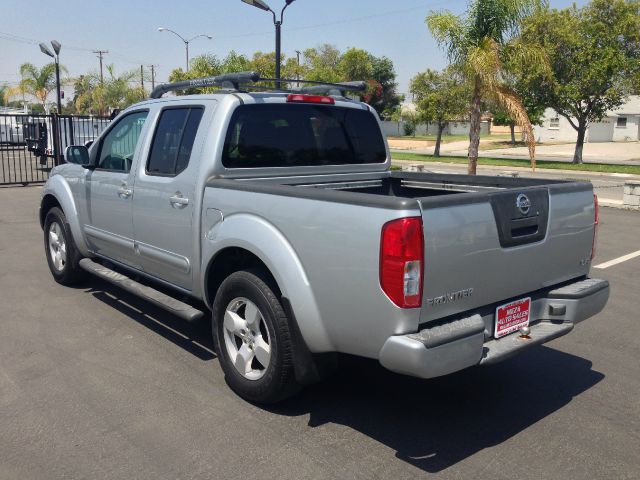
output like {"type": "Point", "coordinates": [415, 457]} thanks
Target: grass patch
{"type": "Point", "coordinates": [509, 162]}
{"type": "Point", "coordinates": [450, 138]}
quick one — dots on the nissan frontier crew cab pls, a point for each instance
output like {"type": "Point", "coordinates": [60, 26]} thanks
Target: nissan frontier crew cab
{"type": "Point", "coordinates": [279, 214]}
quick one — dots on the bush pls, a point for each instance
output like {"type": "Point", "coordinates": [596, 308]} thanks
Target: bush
{"type": "Point", "coordinates": [409, 128]}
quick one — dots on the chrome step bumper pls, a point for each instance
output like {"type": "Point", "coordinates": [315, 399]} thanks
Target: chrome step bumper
{"type": "Point", "coordinates": [462, 343]}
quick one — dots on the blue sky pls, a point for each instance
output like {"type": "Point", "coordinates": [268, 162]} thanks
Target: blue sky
{"type": "Point", "coordinates": [128, 29]}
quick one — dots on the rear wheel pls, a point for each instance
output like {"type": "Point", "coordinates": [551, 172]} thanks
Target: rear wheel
{"type": "Point", "coordinates": [252, 338]}
{"type": "Point", "coordinates": [60, 250]}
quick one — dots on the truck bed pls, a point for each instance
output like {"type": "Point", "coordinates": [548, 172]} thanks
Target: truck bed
{"type": "Point", "coordinates": [479, 249]}
{"type": "Point", "coordinates": [393, 189]}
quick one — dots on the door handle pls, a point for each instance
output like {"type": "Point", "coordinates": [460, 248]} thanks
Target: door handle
{"type": "Point", "coordinates": [124, 192]}
{"type": "Point", "coordinates": [178, 201]}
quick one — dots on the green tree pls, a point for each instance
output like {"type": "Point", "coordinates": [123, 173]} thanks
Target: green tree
{"type": "Point", "coordinates": [385, 99]}
{"type": "Point", "coordinates": [235, 62]}
{"type": "Point", "coordinates": [440, 97]}
{"type": "Point", "coordinates": [483, 43]}
{"type": "Point", "coordinates": [117, 91]}
{"type": "Point", "coordinates": [594, 56]}
{"type": "Point", "coordinates": [322, 63]}
{"type": "Point", "coordinates": [209, 65]}
{"type": "Point", "coordinates": [4, 98]}
{"type": "Point", "coordinates": [37, 82]}
{"type": "Point", "coordinates": [82, 88]}
{"type": "Point", "coordinates": [327, 64]}
{"type": "Point", "coordinates": [356, 64]}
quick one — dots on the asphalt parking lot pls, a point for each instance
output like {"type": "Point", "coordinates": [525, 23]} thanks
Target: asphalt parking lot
{"type": "Point", "coordinates": [95, 383]}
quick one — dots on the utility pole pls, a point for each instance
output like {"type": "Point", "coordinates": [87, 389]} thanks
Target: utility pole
{"type": "Point", "coordinates": [142, 76]}
{"type": "Point", "coordinates": [100, 54]}
{"type": "Point", "coordinates": [298, 52]}
{"type": "Point", "coordinates": [153, 75]}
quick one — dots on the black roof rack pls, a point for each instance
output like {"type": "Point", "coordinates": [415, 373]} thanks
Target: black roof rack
{"type": "Point", "coordinates": [233, 81]}
{"type": "Point", "coordinates": [230, 80]}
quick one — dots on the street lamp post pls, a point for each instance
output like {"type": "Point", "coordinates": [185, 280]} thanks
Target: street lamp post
{"type": "Point", "coordinates": [57, 139]}
{"type": "Point", "coordinates": [278, 24]}
{"type": "Point", "coordinates": [186, 42]}
{"type": "Point", "coordinates": [56, 48]}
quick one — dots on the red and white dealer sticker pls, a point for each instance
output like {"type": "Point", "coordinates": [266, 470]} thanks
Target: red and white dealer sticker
{"type": "Point", "coordinates": [512, 317]}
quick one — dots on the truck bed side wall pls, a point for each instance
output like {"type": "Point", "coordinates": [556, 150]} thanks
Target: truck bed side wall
{"type": "Point", "coordinates": [325, 258]}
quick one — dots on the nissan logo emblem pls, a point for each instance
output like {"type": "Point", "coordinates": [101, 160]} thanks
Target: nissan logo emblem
{"type": "Point", "coordinates": [523, 203]}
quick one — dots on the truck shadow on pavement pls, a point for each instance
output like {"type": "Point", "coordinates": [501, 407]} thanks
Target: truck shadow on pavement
{"type": "Point", "coordinates": [194, 337]}
{"type": "Point", "coordinates": [435, 424]}
{"type": "Point", "coordinates": [431, 424]}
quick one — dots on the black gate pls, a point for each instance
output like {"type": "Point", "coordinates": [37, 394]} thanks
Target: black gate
{"type": "Point", "coordinates": [31, 145]}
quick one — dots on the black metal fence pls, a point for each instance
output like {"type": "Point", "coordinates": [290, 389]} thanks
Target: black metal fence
{"type": "Point", "coordinates": [31, 145]}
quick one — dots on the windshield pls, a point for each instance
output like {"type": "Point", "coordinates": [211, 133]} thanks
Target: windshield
{"type": "Point", "coordinates": [284, 135]}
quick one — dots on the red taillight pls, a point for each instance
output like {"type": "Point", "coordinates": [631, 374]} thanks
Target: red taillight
{"type": "Point", "coordinates": [596, 220]}
{"type": "Point", "coordinates": [402, 260]}
{"type": "Point", "coordinates": [300, 98]}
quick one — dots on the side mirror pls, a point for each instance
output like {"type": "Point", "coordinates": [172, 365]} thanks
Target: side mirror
{"type": "Point", "coordinates": [78, 154]}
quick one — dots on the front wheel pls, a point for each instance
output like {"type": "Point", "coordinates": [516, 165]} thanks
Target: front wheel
{"type": "Point", "coordinates": [60, 250]}
{"type": "Point", "coordinates": [252, 338]}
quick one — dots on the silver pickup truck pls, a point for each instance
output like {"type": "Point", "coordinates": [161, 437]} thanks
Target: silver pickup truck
{"type": "Point", "coordinates": [279, 213]}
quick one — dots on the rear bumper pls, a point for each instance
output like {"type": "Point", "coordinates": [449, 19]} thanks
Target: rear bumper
{"type": "Point", "coordinates": [462, 343]}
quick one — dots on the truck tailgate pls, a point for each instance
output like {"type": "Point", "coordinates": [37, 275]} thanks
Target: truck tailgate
{"type": "Point", "coordinates": [489, 247]}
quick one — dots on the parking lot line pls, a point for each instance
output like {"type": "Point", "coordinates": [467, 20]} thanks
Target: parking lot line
{"type": "Point", "coordinates": [618, 260]}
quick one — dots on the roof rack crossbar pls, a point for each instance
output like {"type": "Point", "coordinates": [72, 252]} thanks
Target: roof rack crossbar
{"type": "Point", "coordinates": [320, 87]}
{"type": "Point", "coordinates": [232, 81]}
{"type": "Point", "coordinates": [229, 80]}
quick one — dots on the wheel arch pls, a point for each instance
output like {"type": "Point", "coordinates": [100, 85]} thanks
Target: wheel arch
{"type": "Point", "coordinates": [57, 193]}
{"type": "Point", "coordinates": [241, 241]}
{"type": "Point", "coordinates": [48, 202]}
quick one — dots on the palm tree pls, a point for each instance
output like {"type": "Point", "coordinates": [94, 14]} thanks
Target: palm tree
{"type": "Point", "coordinates": [484, 45]}
{"type": "Point", "coordinates": [35, 81]}
{"type": "Point", "coordinates": [115, 92]}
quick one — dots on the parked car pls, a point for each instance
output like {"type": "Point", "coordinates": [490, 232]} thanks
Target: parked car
{"type": "Point", "coordinates": [11, 130]}
{"type": "Point", "coordinates": [277, 212]}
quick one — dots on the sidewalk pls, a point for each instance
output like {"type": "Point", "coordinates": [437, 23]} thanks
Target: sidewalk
{"type": "Point", "coordinates": [617, 153]}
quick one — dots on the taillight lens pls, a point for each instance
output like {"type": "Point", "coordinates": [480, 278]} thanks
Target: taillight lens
{"type": "Point", "coordinates": [402, 260]}
{"type": "Point", "coordinates": [300, 98]}
{"type": "Point", "coordinates": [596, 220]}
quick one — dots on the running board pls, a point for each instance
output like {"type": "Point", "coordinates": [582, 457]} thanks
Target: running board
{"type": "Point", "coordinates": [170, 304]}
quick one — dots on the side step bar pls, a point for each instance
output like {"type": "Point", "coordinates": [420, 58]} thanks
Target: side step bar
{"type": "Point", "coordinates": [170, 304]}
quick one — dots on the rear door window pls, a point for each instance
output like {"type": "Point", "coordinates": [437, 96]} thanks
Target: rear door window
{"type": "Point", "coordinates": [173, 141]}
{"type": "Point", "coordinates": [283, 135]}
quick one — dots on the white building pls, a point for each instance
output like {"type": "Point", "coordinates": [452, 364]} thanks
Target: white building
{"type": "Point", "coordinates": [620, 125]}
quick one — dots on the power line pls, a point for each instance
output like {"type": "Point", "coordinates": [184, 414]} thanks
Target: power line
{"type": "Point", "coordinates": [340, 22]}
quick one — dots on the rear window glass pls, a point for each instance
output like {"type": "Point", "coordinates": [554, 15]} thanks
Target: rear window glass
{"type": "Point", "coordinates": [284, 135]}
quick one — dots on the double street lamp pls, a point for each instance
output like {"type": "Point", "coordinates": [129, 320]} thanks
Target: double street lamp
{"type": "Point", "coordinates": [278, 24]}
{"type": "Point", "coordinates": [56, 48]}
{"type": "Point", "coordinates": [186, 42]}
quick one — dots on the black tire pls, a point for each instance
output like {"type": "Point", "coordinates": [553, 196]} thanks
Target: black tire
{"type": "Point", "coordinates": [70, 273]}
{"type": "Point", "coordinates": [278, 380]}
